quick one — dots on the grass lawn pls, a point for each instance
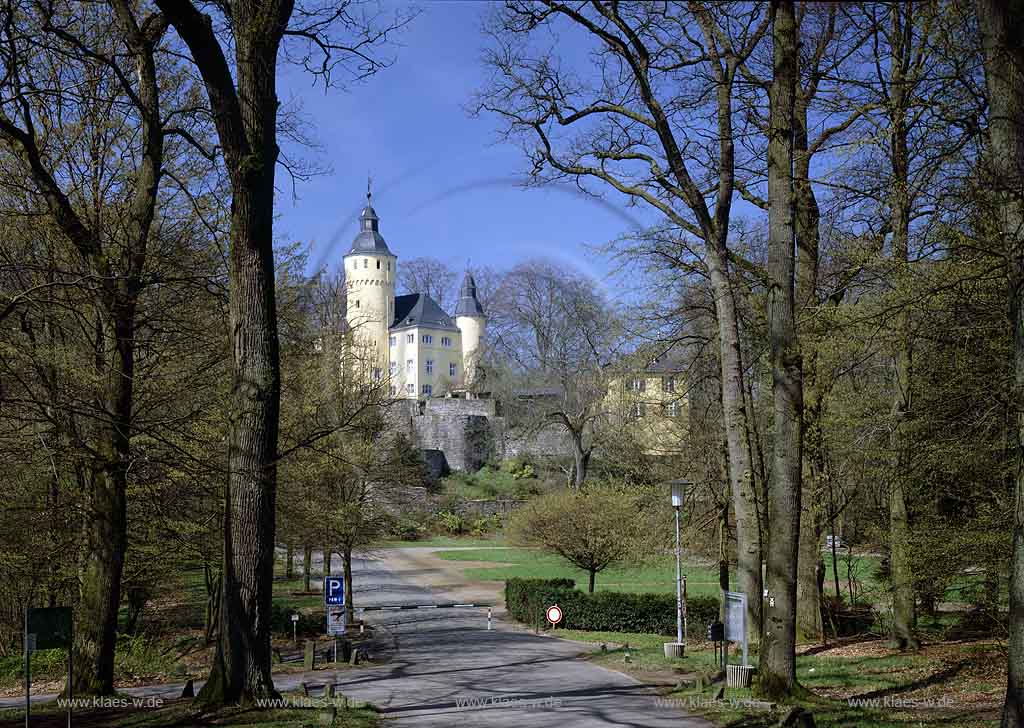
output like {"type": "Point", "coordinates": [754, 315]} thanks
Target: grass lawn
{"type": "Point", "coordinates": [446, 541]}
{"type": "Point", "coordinates": [951, 685]}
{"type": "Point", "coordinates": [656, 576]}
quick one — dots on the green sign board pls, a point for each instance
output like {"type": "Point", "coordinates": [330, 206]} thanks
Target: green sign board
{"type": "Point", "coordinates": [48, 628]}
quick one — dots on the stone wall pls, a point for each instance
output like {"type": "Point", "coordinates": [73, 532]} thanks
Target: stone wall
{"type": "Point", "coordinates": [471, 432]}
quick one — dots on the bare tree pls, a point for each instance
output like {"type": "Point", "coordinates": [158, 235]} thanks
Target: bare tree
{"type": "Point", "coordinates": [558, 333]}
{"type": "Point", "coordinates": [328, 40]}
{"type": "Point", "coordinates": [637, 123]}
{"type": "Point", "coordinates": [429, 276]}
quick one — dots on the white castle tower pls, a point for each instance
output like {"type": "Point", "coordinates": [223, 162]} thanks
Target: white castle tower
{"type": "Point", "coordinates": [370, 270]}
{"type": "Point", "coordinates": [471, 321]}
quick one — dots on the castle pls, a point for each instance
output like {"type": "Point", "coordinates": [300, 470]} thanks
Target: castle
{"type": "Point", "coordinates": [424, 352]}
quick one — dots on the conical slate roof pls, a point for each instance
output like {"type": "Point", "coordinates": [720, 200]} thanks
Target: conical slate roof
{"type": "Point", "coordinates": [469, 304]}
{"type": "Point", "coordinates": [369, 239]}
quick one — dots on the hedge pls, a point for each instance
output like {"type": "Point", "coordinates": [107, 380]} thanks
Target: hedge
{"type": "Point", "coordinates": [528, 599]}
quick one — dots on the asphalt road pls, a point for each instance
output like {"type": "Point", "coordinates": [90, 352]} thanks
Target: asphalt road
{"type": "Point", "coordinates": [445, 668]}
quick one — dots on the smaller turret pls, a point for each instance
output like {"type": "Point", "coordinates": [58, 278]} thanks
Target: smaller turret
{"type": "Point", "coordinates": [471, 320]}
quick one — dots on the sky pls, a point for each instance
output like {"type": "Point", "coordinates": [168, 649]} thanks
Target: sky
{"type": "Point", "coordinates": [444, 184]}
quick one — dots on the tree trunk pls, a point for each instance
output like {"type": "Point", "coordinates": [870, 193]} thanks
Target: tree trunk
{"type": "Point", "coordinates": [777, 668]}
{"type": "Point", "coordinates": [590, 585]}
{"type": "Point", "coordinates": [1003, 41]}
{"type": "Point", "coordinates": [350, 609]}
{"type": "Point", "coordinates": [246, 122]}
{"type": "Point", "coordinates": [289, 565]}
{"type": "Point", "coordinates": [307, 567]}
{"type": "Point", "coordinates": [810, 569]}
{"type": "Point", "coordinates": [734, 414]}
{"type": "Point", "coordinates": [901, 573]}
{"type": "Point", "coordinates": [327, 561]}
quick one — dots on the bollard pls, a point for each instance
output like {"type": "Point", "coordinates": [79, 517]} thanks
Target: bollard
{"type": "Point", "coordinates": [308, 658]}
{"type": "Point", "coordinates": [488, 619]}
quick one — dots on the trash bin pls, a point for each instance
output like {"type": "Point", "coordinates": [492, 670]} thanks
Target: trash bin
{"type": "Point", "coordinates": [739, 676]}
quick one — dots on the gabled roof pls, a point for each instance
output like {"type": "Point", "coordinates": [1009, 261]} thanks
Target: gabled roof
{"type": "Point", "coordinates": [419, 309]}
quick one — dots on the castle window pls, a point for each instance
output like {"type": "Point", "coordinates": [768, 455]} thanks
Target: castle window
{"type": "Point", "coordinates": [410, 388]}
{"type": "Point", "coordinates": [366, 263]}
{"type": "Point", "coordinates": [393, 340]}
{"type": "Point", "coordinates": [394, 390]}
{"type": "Point", "coordinates": [409, 366]}
{"type": "Point", "coordinates": [638, 410]}
{"type": "Point", "coordinates": [357, 304]}
{"type": "Point", "coordinates": [428, 339]}
{"type": "Point", "coordinates": [389, 266]}
{"type": "Point", "coordinates": [446, 341]}
{"type": "Point", "coordinates": [638, 384]}
{"type": "Point", "coordinates": [451, 370]}
{"type": "Point", "coordinates": [410, 339]}
{"type": "Point", "coordinates": [672, 409]}
{"type": "Point", "coordinates": [393, 368]}
{"type": "Point", "coordinates": [668, 384]}
{"type": "Point", "coordinates": [430, 366]}
{"type": "Point", "coordinates": [427, 389]}
{"type": "Point", "coordinates": [378, 265]}
{"type": "Point", "coordinates": [377, 374]}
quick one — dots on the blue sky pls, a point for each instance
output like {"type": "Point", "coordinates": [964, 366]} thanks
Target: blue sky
{"type": "Point", "coordinates": [443, 182]}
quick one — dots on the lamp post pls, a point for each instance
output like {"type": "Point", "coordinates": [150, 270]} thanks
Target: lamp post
{"type": "Point", "coordinates": [677, 648]}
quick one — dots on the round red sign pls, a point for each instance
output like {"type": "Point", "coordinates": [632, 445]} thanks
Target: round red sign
{"type": "Point", "coordinates": [554, 614]}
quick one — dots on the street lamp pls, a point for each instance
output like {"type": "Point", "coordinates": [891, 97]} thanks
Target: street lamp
{"type": "Point", "coordinates": [676, 649]}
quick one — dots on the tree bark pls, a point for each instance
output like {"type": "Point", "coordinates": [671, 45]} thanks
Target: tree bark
{"type": "Point", "coordinates": [246, 122]}
{"type": "Point", "coordinates": [1003, 42]}
{"type": "Point", "coordinates": [327, 560]}
{"type": "Point", "coordinates": [289, 567]}
{"type": "Point", "coordinates": [901, 572]}
{"type": "Point", "coordinates": [346, 561]}
{"type": "Point", "coordinates": [591, 580]}
{"type": "Point", "coordinates": [777, 667]}
{"type": "Point", "coordinates": [307, 567]}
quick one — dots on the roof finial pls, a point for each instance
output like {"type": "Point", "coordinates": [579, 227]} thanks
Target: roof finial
{"type": "Point", "coordinates": [369, 179]}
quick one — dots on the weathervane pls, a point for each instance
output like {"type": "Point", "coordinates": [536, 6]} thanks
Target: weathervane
{"type": "Point", "coordinates": [369, 179]}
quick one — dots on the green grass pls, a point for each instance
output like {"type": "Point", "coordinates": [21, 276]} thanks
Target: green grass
{"type": "Point", "coordinates": [826, 676]}
{"type": "Point", "coordinates": [656, 577]}
{"type": "Point", "coordinates": [283, 593]}
{"type": "Point", "coordinates": [441, 541]}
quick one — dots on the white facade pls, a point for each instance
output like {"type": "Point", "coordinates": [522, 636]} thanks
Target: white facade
{"type": "Point", "coordinates": [409, 341]}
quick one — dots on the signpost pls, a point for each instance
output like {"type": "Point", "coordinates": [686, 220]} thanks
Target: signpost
{"type": "Point", "coordinates": [47, 628]}
{"type": "Point", "coordinates": [334, 604]}
{"type": "Point", "coordinates": [295, 629]}
{"type": "Point", "coordinates": [554, 614]}
{"type": "Point", "coordinates": [736, 619]}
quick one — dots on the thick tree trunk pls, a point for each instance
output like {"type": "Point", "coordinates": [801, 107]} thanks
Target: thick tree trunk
{"type": "Point", "coordinates": [1003, 41]}
{"type": "Point", "coordinates": [902, 578]}
{"type": "Point", "coordinates": [581, 460]}
{"type": "Point", "coordinates": [810, 567]}
{"type": "Point", "coordinates": [590, 582]}
{"type": "Point", "coordinates": [246, 121]}
{"type": "Point", "coordinates": [777, 666]}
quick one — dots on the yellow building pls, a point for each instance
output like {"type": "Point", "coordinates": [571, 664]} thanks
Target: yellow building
{"type": "Point", "coordinates": [653, 404]}
{"type": "Point", "coordinates": [409, 340]}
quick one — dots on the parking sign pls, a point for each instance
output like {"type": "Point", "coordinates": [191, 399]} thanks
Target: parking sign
{"type": "Point", "coordinates": [334, 590]}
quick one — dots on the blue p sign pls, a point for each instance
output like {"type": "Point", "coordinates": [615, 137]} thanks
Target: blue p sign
{"type": "Point", "coordinates": [334, 590]}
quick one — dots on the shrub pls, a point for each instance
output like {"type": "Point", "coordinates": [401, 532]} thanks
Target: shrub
{"type": "Point", "coordinates": [452, 523]}
{"type": "Point", "coordinates": [485, 525]}
{"type": "Point", "coordinates": [845, 620]}
{"type": "Point", "coordinates": [527, 600]}
{"type": "Point", "coordinates": [281, 622]}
